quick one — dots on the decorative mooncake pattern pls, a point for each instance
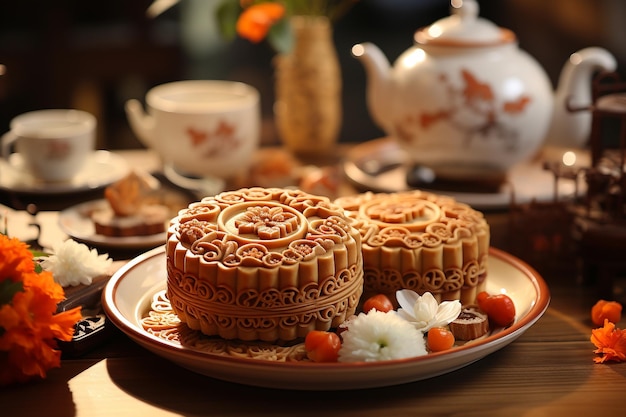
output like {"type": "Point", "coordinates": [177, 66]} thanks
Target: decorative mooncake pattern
{"type": "Point", "coordinates": [263, 264]}
{"type": "Point", "coordinates": [420, 241]}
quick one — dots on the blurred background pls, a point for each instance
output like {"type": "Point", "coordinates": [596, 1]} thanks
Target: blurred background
{"type": "Point", "coordinates": [96, 54]}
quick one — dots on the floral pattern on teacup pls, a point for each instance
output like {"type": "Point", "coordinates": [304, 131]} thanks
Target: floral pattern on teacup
{"type": "Point", "coordinates": [57, 149]}
{"type": "Point", "coordinates": [216, 142]}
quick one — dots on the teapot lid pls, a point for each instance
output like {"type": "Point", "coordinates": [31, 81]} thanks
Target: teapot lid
{"type": "Point", "coordinates": [464, 28]}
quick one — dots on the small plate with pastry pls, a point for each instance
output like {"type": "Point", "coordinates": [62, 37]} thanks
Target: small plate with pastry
{"type": "Point", "coordinates": [133, 214]}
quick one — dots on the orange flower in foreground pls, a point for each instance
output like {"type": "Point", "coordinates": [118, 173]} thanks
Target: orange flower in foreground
{"type": "Point", "coordinates": [610, 342]}
{"type": "Point", "coordinates": [29, 326]}
{"type": "Point", "coordinates": [610, 310]}
{"type": "Point", "coordinates": [15, 259]}
{"type": "Point", "coordinates": [255, 21]}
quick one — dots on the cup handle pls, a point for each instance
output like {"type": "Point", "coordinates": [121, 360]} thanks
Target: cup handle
{"type": "Point", "coordinates": [7, 141]}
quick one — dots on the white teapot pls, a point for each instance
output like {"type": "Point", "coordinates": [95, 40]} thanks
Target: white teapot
{"type": "Point", "coordinates": [467, 103]}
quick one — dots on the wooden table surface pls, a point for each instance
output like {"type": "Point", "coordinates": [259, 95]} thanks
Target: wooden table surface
{"type": "Point", "coordinates": [548, 371]}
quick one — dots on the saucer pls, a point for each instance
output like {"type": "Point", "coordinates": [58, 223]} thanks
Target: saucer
{"type": "Point", "coordinates": [380, 165]}
{"type": "Point", "coordinates": [76, 222]}
{"type": "Point", "coordinates": [198, 186]}
{"type": "Point", "coordinates": [101, 169]}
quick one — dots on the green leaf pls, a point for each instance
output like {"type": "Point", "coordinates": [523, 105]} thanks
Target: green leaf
{"type": "Point", "coordinates": [39, 254]}
{"type": "Point", "coordinates": [281, 36]}
{"type": "Point", "coordinates": [8, 289]}
{"type": "Point", "coordinates": [227, 14]}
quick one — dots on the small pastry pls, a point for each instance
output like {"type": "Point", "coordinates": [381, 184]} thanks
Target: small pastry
{"type": "Point", "coordinates": [129, 212]}
{"type": "Point", "coordinates": [471, 324]}
{"type": "Point", "coordinates": [147, 220]}
{"type": "Point", "coordinates": [273, 168]}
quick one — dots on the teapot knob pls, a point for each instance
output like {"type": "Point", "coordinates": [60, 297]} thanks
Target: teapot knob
{"type": "Point", "coordinates": [464, 27]}
{"type": "Point", "coordinates": [465, 9]}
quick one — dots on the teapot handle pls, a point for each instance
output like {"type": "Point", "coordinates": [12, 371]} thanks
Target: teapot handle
{"type": "Point", "coordinates": [571, 119]}
{"type": "Point", "coordinates": [577, 74]}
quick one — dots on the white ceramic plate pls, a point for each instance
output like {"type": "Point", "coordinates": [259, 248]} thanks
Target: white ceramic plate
{"type": "Point", "coordinates": [101, 169]}
{"type": "Point", "coordinates": [526, 181]}
{"type": "Point", "coordinates": [76, 223]}
{"type": "Point", "coordinates": [124, 300]}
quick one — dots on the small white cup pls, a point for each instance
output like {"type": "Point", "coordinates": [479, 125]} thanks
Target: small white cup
{"type": "Point", "coordinates": [53, 144]}
{"type": "Point", "coordinates": [204, 128]}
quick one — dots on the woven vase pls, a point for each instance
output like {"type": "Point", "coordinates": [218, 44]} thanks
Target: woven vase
{"type": "Point", "coordinates": [308, 90]}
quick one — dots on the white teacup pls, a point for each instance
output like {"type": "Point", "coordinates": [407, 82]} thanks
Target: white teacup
{"type": "Point", "coordinates": [204, 128]}
{"type": "Point", "coordinates": [53, 144]}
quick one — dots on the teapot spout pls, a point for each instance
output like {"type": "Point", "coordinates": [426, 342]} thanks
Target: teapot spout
{"type": "Point", "coordinates": [378, 92]}
{"type": "Point", "coordinates": [570, 125]}
{"type": "Point", "coordinates": [141, 123]}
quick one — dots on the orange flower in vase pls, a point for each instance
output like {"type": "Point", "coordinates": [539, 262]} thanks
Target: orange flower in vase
{"type": "Point", "coordinates": [307, 109]}
{"type": "Point", "coordinates": [29, 323]}
{"type": "Point", "coordinates": [256, 21]}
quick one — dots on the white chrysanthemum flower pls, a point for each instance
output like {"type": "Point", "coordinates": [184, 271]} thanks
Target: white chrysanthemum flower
{"type": "Point", "coordinates": [424, 312]}
{"type": "Point", "coordinates": [72, 263]}
{"type": "Point", "coordinates": [378, 336]}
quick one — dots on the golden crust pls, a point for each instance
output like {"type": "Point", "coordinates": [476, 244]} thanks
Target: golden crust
{"type": "Point", "coordinates": [263, 264]}
{"type": "Point", "coordinates": [420, 241]}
